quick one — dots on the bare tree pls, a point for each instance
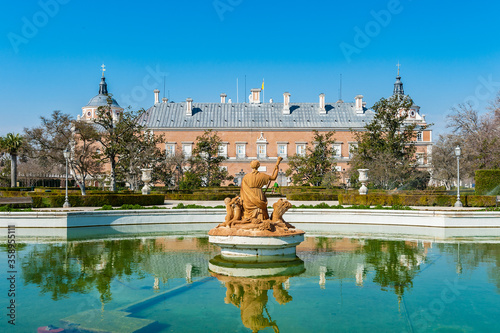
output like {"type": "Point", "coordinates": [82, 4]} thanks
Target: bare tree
{"type": "Point", "coordinates": [444, 159]}
{"type": "Point", "coordinates": [47, 142]}
{"type": "Point", "coordinates": [479, 137]}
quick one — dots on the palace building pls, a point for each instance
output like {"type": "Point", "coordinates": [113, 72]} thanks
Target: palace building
{"type": "Point", "coordinates": [263, 131]}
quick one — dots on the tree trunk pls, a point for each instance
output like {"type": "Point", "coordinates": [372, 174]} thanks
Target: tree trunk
{"type": "Point", "coordinates": [113, 175]}
{"type": "Point", "coordinates": [13, 170]}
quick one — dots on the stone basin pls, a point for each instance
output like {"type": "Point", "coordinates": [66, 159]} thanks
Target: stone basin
{"type": "Point", "coordinates": [260, 248]}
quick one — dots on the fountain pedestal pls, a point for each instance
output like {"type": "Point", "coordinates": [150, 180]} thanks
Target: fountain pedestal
{"type": "Point", "coordinates": [257, 245]}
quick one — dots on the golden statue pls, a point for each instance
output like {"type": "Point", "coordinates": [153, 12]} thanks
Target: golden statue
{"type": "Point", "coordinates": [254, 199]}
{"type": "Point", "coordinates": [247, 213]}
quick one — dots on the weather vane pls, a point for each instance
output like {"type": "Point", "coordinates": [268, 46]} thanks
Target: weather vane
{"type": "Point", "coordinates": [103, 69]}
{"type": "Point", "coordinates": [399, 65]}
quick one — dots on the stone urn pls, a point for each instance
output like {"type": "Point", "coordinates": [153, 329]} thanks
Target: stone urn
{"type": "Point", "coordinates": [146, 178]}
{"type": "Point", "coordinates": [363, 178]}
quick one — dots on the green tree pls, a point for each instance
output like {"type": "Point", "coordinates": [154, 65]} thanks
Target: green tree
{"type": "Point", "coordinates": [12, 144]}
{"type": "Point", "coordinates": [205, 162]}
{"type": "Point", "coordinates": [139, 151]}
{"type": "Point", "coordinates": [387, 146]}
{"type": "Point", "coordinates": [4, 170]}
{"type": "Point", "coordinates": [317, 164]}
{"type": "Point", "coordinates": [171, 171]}
{"type": "Point", "coordinates": [46, 144]}
{"type": "Point", "coordinates": [126, 144]}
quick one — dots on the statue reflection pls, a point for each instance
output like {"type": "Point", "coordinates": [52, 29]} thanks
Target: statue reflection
{"type": "Point", "coordinates": [248, 285]}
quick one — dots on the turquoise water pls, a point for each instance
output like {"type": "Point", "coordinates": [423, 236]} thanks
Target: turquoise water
{"type": "Point", "coordinates": [163, 284]}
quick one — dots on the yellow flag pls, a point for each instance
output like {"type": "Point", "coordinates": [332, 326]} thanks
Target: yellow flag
{"type": "Point", "coordinates": [262, 84]}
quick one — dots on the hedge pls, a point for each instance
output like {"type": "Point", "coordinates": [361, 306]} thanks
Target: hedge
{"type": "Point", "coordinates": [416, 200]}
{"type": "Point", "coordinates": [309, 196]}
{"type": "Point", "coordinates": [488, 182]}
{"type": "Point", "coordinates": [15, 188]}
{"type": "Point", "coordinates": [98, 200]}
{"type": "Point", "coordinates": [201, 196]}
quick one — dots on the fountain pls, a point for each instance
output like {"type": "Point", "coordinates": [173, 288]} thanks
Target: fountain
{"type": "Point", "coordinates": [249, 233]}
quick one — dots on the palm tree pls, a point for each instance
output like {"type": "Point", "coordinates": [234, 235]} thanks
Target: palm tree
{"type": "Point", "coordinates": [12, 144]}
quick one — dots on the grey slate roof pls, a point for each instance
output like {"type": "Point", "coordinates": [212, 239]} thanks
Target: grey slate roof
{"type": "Point", "coordinates": [254, 116]}
{"type": "Point", "coordinates": [101, 100]}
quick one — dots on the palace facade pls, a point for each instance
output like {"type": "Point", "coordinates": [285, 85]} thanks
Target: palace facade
{"type": "Point", "coordinates": [263, 130]}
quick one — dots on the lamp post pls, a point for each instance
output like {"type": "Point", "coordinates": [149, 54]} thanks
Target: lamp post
{"type": "Point", "coordinates": [66, 156]}
{"type": "Point", "coordinates": [457, 154]}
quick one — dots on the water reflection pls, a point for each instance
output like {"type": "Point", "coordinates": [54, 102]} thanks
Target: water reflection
{"type": "Point", "coordinates": [78, 267]}
{"type": "Point", "coordinates": [60, 269]}
{"type": "Point", "coordinates": [247, 286]}
{"type": "Point", "coordinates": [371, 275]}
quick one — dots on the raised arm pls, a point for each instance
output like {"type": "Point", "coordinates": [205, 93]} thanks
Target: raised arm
{"type": "Point", "coordinates": [276, 168]}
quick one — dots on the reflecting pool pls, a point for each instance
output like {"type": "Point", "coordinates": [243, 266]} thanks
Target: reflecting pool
{"type": "Point", "coordinates": [180, 284]}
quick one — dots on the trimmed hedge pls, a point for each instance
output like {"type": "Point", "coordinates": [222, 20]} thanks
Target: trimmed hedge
{"type": "Point", "coordinates": [416, 200]}
{"type": "Point", "coordinates": [480, 201]}
{"type": "Point", "coordinates": [15, 188]}
{"type": "Point", "coordinates": [201, 196]}
{"type": "Point", "coordinates": [99, 200]}
{"type": "Point", "coordinates": [488, 182]}
{"type": "Point", "coordinates": [309, 196]}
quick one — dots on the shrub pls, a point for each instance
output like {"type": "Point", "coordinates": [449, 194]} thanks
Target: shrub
{"type": "Point", "coordinates": [15, 189]}
{"type": "Point", "coordinates": [193, 206]}
{"type": "Point", "coordinates": [99, 200]}
{"type": "Point", "coordinates": [480, 201]}
{"type": "Point", "coordinates": [310, 196]}
{"type": "Point", "coordinates": [397, 200]}
{"type": "Point", "coordinates": [488, 182]}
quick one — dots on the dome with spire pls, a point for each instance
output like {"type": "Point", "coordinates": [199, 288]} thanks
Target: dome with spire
{"type": "Point", "coordinates": [102, 98]}
{"type": "Point", "coordinates": [398, 85]}
{"type": "Point", "coordinates": [90, 111]}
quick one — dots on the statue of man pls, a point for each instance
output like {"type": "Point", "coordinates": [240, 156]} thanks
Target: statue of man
{"type": "Point", "coordinates": [254, 199]}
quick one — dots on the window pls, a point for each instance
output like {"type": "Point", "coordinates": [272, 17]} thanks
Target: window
{"type": "Point", "coordinates": [170, 149]}
{"type": "Point", "coordinates": [419, 136]}
{"type": "Point", "coordinates": [301, 149]}
{"type": "Point", "coordinates": [420, 159]}
{"type": "Point", "coordinates": [282, 150]}
{"type": "Point", "coordinates": [187, 149]}
{"type": "Point", "coordinates": [352, 147]}
{"type": "Point", "coordinates": [240, 151]}
{"type": "Point", "coordinates": [337, 150]}
{"type": "Point", "coordinates": [223, 150]}
{"type": "Point", "coordinates": [261, 151]}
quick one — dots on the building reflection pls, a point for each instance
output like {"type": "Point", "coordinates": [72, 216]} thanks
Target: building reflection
{"type": "Point", "coordinates": [247, 286]}
{"type": "Point", "coordinates": [60, 269]}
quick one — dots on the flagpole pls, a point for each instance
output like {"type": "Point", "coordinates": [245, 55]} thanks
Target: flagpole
{"type": "Point", "coordinates": [237, 100]}
{"type": "Point", "coordinates": [263, 93]}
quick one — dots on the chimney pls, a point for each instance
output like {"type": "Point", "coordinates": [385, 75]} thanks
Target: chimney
{"type": "Point", "coordinates": [359, 104]}
{"type": "Point", "coordinates": [322, 109]}
{"type": "Point", "coordinates": [229, 101]}
{"type": "Point", "coordinates": [157, 96]}
{"type": "Point", "coordinates": [164, 100]}
{"type": "Point", "coordinates": [223, 98]}
{"type": "Point", "coordinates": [286, 103]}
{"type": "Point", "coordinates": [270, 100]}
{"type": "Point", "coordinates": [255, 96]}
{"type": "Point", "coordinates": [189, 106]}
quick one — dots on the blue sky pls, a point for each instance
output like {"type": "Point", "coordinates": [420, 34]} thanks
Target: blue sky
{"type": "Point", "coordinates": [51, 52]}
